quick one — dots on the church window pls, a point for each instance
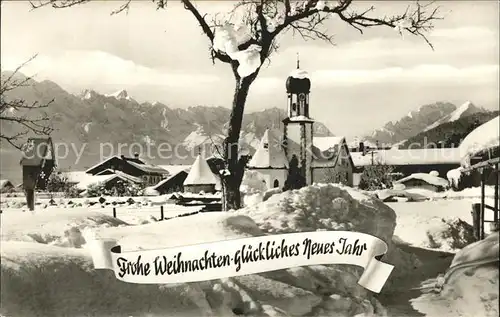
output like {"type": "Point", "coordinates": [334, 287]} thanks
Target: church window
{"type": "Point", "coordinates": [266, 145]}
{"type": "Point", "coordinates": [276, 183]}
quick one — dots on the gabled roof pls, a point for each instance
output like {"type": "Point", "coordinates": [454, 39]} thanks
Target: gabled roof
{"type": "Point", "coordinates": [148, 168]}
{"type": "Point", "coordinates": [430, 156]}
{"type": "Point", "coordinates": [114, 157]}
{"type": "Point", "coordinates": [330, 157]}
{"type": "Point", "coordinates": [179, 176]}
{"type": "Point", "coordinates": [128, 177]}
{"type": "Point", "coordinates": [36, 151]}
{"type": "Point", "coordinates": [200, 173]}
{"type": "Point", "coordinates": [134, 162]}
{"type": "Point", "coordinates": [5, 183]}
{"type": "Point", "coordinates": [327, 142]}
{"type": "Point", "coordinates": [174, 169]}
{"type": "Point", "coordinates": [484, 138]}
{"type": "Point", "coordinates": [269, 153]}
{"type": "Point", "coordinates": [428, 178]}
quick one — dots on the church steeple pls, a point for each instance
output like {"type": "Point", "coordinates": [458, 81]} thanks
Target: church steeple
{"type": "Point", "coordinates": [298, 126]}
{"type": "Point", "coordinates": [298, 87]}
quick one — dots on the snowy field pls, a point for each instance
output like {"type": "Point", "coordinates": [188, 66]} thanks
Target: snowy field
{"type": "Point", "coordinates": [45, 264]}
{"type": "Point", "coordinates": [415, 220]}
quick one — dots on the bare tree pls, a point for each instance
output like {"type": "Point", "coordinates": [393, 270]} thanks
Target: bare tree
{"type": "Point", "coordinates": [25, 118]}
{"type": "Point", "coordinates": [265, 20]}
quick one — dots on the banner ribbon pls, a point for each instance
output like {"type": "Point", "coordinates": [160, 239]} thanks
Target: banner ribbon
{"type": "Point", "coordinates": [230, 258]}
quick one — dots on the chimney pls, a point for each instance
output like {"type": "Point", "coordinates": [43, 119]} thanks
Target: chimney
{"type": "Point", "coordinates": [362, 147]}
{"type": "Point", "coordinates": [122, 156]}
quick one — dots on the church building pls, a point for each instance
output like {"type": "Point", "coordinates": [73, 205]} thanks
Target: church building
{"type": "Point", "coordinates": [295, 160]}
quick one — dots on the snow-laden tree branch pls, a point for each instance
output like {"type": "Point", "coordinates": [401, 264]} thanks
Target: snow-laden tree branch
{"type": "Point", "coordinates": [25, 118]}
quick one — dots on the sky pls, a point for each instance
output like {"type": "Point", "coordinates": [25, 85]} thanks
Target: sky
{"type": "Point", "coordinates": [358, 84]}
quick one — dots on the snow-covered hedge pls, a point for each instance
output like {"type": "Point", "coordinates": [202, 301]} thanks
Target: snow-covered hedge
{"type": "Point", "coordinates": [450, 235]}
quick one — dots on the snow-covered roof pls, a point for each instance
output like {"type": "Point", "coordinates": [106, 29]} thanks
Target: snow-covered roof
{"type": "Point", "coordinates": [428, 178]}
{"type": "Point", "coordinates": [92, 179]}
{"type": "Point", "coordinates": [299, 74]}
{"type": "Point", "coordinates": [76, 176]}
{"type": "Point", "coordinates": [327, 142]}
{"type": "Point", "coordinates": [164, 181]}
{"type": "Point", "coordinates": [125, 176]}
{"type": "Point", "coordinates": [409, 157]}
{"type": "Point", "coordinates": [83, 179]}
{"type": "Point", "coordinates": [483, 138]}
{"type": "Point", "coordinates": [5, 182]}
{"type": "Point", "coordinates": [148, 168]}
{"type": "Point", "coordinates": [300, 118]}
{"type": "Point", "coordinates": [361, 160]}
{"type": "Point", "coordinates": [200, 173]}
{"type": "Point", "coordinates": [175, 169]}
{"type": "Point", "coordinates": [269, 153]}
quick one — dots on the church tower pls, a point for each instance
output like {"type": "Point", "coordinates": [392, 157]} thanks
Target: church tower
{"type": "Point", "coordinates": [298, 126]}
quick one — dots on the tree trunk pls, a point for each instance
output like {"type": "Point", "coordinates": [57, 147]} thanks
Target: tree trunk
{"type": "Point", "coordinates": [231, 198]}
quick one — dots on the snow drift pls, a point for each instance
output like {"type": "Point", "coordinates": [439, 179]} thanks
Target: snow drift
{"type": "Point", "coordinates": [471, 287]}
{"type": "Point", "coordinates": [42, 279]}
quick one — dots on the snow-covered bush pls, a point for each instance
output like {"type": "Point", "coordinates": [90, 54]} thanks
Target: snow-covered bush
{"type": "Point", "coordinates": [95, 190]}
{"type": "Point", "coordinates": [119, 189]}
{"type": "Point", "coordinates": [59, 183]}
{"type": "Point", "coordinates": [252, 183]}
{"type": "Point", "coordinates": [375, 177]}
{"type": "Point", "coordinates": [450, 235]}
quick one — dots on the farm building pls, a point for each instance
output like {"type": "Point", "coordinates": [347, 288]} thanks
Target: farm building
{"type": "Point", "coordinates": [201, 178]}
{"type": "Point", "coordinates": [407, 162]}
{"type": "Point", "coordinates": [150, 174]}
{"type": "Point", "coordinates": [333, 161]}
{"type": "Point", "coordinates": [424, 181]}
{"type": "Point", "coordinates": [481, 156]}
{"type": "Point", "coordinates": [175, 183]}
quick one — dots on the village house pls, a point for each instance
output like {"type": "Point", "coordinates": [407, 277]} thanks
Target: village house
{"type": "Point", "coordinates": [172, 184]}
{"type": "Point", "coordinates": [298, 153]}
{"type": "Point", "coordinates": [425, 181]}
{"type": "Point", "coordinates": [201, 178]}
{"type": "Point", "coordinates": [131, 166]}
{"type": "Point", "coordinates": [411, 161]}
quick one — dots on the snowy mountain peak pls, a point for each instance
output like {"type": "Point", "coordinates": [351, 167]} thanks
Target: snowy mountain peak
{"type": "Point", "coordinates": [88, 94]}
{"type": "Point", "coordinates": [466, 109]}
{"type": "Point", "coordinates": [121, 94]}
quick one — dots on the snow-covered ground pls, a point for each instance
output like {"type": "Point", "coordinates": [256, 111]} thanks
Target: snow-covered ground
{"type": "Point", "coordinates": [415, 221]}
{"type": "Point", "coordinates": [45, 264]}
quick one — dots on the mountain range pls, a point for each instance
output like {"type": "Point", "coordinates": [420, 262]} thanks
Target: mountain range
{"type": "Point", "coordinates": [426, 118]}
{"type": "Point", "coordinates": [104, 125]}
{"type": "Point", "coordinates": [99, 125]}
